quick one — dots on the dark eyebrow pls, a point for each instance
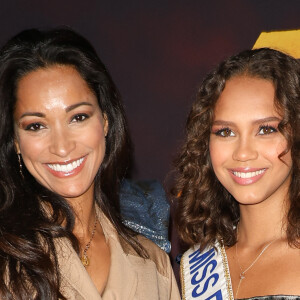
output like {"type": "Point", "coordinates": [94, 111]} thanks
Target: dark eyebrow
{"type": "Point", "coordinates": [41, 115]}
{"type": "Point", "coordinates": [265, 120]}
{"type": "Point", "coordinates": [221, 122]}
{"type": "Point", "coordinates": [71, 107]}
{"type": "Point", "coordinates": [259, 121]}
{"type": "Point", "coordinates": [33, 114]}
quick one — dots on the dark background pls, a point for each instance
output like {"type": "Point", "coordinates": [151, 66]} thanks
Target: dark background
{"type": "Point", "coordinates": [157, 53]}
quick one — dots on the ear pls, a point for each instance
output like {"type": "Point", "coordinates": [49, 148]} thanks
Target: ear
{"type": "Point", "coordinates": [105, 124]}
{"type": "Point", "coordinates": [17, 146]}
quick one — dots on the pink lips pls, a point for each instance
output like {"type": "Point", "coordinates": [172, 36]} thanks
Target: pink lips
{"type": "Point", "coordinates": [62, 174]}
{"type": "Point", "coordinates": [246, 176]}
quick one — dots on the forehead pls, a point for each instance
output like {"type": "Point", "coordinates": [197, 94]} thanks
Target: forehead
{"type": "Point", "coordinates": [52, 87]}
{"type": "Point", "coordinates": [246, 97]}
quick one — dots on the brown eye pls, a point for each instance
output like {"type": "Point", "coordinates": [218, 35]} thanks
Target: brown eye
{"type": "Point", "coordinates": [34, 127]}
{"type": "Point", "coordinates": [79, 118]}
{"type": "Point", "coordinates": [224, 132]}
{"type": "Point", "coordinates": [265, 130]}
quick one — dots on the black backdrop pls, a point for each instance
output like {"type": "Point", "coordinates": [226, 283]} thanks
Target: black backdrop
{"type": "Point", "coordinates": [157, 52]}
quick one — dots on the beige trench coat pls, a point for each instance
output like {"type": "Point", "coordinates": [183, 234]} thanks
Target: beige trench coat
{"type": "Point", "coordinates": [130, 276]}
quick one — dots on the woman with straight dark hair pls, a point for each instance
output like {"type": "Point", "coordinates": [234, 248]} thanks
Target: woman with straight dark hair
{"type": "Point", "coordinates": [64, 149]}
{"type": "Point", "coordinates": [238, 183]}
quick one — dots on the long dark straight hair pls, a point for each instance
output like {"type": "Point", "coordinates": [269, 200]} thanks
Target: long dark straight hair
{"type": "Point", "coordinates": [28, 261]}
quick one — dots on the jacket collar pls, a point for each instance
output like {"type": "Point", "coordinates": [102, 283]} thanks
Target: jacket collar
{"type": "Point", "coordinates": [74, 277]}
{"type": "Point", "coordinates": [122, 279]}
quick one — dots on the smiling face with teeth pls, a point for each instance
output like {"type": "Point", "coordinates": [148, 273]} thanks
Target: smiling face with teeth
{"type": "Point", "coordinates": [245, 142]}
{"type": "Point", "coordinates": [60, 130]}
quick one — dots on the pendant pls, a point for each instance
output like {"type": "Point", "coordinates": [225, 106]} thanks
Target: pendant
{"type": "Point", "coordinates": [242, 276]}
{"type": "Point", "coordinates": [85, 260]}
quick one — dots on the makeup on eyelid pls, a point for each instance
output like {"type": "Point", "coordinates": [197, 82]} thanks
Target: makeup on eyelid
{"type": "Point", "coordinates": [245, 143]}
{"type": "Point", "coordinates": [61, 137]}
{"type": "Point", "coordinates": [26, 121]}
{"type": "Point", "coordinates": [229, 132]}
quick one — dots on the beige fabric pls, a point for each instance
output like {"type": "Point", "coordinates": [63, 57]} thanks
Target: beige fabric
{"type": "Point", "coordinates": [130, 276]}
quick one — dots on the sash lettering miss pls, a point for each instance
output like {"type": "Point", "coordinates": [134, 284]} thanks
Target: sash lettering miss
{"type": "Point", "coordinates": [203, 275]}
{"type": "Point", "coordinates": [202, 267]}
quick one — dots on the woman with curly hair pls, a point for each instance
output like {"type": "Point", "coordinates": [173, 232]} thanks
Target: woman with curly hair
{"type": "Point", "coordinates": [238, 181]}
{"type": "Point", "coordinates": [64, 149]}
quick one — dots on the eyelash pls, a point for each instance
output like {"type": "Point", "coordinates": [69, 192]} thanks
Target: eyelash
{"type": "Point", "coordinates": [221, 131]}
{"type": "Point", "coordinates": [38, 126]}
{"type": "Point", "coordinates": [33, 127]}
{"type": "Point", "coordinates": [228, 131]}
{"type": "Point", "coordinates": [267, 127]}
{"type": "Point", "coordinates": [85, 116]}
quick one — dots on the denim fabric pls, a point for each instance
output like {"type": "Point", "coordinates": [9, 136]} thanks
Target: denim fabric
{"type": "Point", "coordinates": [145, 209]}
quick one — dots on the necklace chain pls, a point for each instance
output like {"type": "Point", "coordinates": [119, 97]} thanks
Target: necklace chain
{"type": "Point", "coordinates": [242, 274]}
{"type": "Point", "coordinates": [84, 258]}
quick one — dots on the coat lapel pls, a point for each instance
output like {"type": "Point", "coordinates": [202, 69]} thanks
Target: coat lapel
{"type": "Point", "coordinates": [122, 279]}
{"type": "Point", "coordinates": [76, 283]}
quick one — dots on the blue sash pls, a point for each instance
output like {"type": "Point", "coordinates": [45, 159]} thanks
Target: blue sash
{"type": "Point", "coordinates": [205, 275]}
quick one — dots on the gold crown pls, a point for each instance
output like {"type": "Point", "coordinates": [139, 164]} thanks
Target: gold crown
{"type": "Point", "coordinates": [287, 41]}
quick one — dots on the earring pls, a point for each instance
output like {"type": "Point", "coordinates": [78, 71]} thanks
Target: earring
{"type": "Point", "coordinates": [20, 164]}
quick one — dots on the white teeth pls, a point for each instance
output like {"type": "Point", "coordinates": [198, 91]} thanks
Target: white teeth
{"type": "Point", "coordinates": [66, 168]}
{"type": "Point", "coordinates": [248, 174]}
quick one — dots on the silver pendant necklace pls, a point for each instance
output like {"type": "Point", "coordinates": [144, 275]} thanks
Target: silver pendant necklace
{"type": "Point", "coordinates": [243, 272]}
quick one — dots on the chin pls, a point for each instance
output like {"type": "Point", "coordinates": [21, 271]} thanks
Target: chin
{"type": "Point", "coordinates": [73, 194]}
{"type": "Point", "coordinates": [70, 193]}
{"type": "Point", "coordinates": [249, 201]}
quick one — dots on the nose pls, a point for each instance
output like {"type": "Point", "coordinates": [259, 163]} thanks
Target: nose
{"type": "Point", "coordinates": [245, 150]}
{"type": "Point", "coordinates": [61, 142]}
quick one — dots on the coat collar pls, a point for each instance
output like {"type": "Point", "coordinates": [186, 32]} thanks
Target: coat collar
{"type": "Point", "coordinates": [122, 279]}
{"type": "Point", "coordinates": [74, 277]}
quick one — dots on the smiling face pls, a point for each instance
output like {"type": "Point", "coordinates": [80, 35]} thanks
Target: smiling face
{"type": "Point", "coordinates": [245, 142]}
{"type": "Point", "coordinates": [60, 130]}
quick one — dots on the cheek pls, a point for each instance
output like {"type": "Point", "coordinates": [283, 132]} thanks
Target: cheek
{"type": "Point", "coordinates": [213, 157]}
{"type": "Point", "coordinates": [272, 151]}
{"type": "Point", "coordinates": [95, 139]}
{"type": "Point", "coordinates": [219, 154]}
{"type": "Point", "coordinates": [31, 151]}
{"type": "Point", "coordinates": [282, 145]}
{"type": "Point", "coordinates": [281, 162]}
{"type": "Point", "coordinates": [30, 148]}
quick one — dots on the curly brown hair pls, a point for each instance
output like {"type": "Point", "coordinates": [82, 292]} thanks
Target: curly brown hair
{"type": "Point", "coordinates": [206, 211]}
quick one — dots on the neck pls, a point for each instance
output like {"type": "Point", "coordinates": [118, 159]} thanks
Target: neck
{"type": "Point", "coordinates": [85, 214]}
{"type": "Point", "coordinates": [261, 223]}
